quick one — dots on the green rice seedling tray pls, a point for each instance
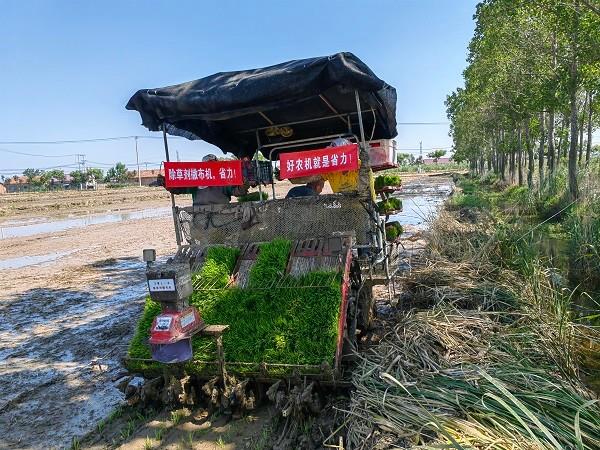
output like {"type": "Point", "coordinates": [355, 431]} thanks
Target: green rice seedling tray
{"type": "Point", "coordinates": [389, 206]}
{"type": "Point", "coordinates": [388, 183]}
{"type": "Point", "coordinates": [273, 330]}
{"type": "Point", "coordinates": [393, 230]}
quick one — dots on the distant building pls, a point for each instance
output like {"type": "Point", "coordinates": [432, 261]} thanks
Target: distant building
{"type": "Point", "coordinates": [147, 176]}
{"type": "Point", "coordinates": [18, 184]}
{"type": "Point", "coordinates": [439, 161]}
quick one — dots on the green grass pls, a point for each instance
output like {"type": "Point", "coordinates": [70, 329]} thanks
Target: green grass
{"type": "Point", "coordinates": [468, 201]}
{"type": "Point", "coordinates": [159, 433]}
{"type": "Point", "coordinates": [177, 416]}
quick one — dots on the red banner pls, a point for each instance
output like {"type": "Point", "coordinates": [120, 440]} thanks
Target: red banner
{"type": "Point", "coordinates": [314, 162]}
{"type": "Point", "coordinates": [210, 173]}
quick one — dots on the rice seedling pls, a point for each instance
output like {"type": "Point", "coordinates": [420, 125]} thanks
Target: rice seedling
{"type": "Point", "coordinates": [393, 230]}
{"type": "Point", "coordinates": [383, 181]}
{"type": "Point", "coordinates": [177, 416]}
{"type": "Point", "coordinates": [159, 433]}
{"type": "Point", "coordinates": [75, 444]}
{"type": "Point", "coordinates": [389, 206]}
{"type": "Point", "coordinates": [189, 439]}
{"type": "Point", "coordinates": [269, 322]}
{"type": "Point", "coordinates": [253, 197]}
{"type": "Point", "coordinates": [127, 430]}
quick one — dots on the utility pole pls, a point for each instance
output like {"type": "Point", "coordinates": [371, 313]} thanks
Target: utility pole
{"type": "Point", "coordinates": [81, 167]}
{"type": "Point", "coordinates": [137, 160]}
{"type": "Point", "coordinates": [421, 155]}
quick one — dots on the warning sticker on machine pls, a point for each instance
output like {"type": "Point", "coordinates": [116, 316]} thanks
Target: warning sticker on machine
{"type": "Point", "coordinates": [187, 320]}
{"type": "Point", "coordinates": [167, 284]}
{"type": "Point", "coordinates": [163, 323]}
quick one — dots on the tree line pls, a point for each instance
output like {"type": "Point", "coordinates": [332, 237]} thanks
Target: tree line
{"type": "Point", "coordinates": [530, 98]}
{"type": "Point", "coordinates": [46, 178]}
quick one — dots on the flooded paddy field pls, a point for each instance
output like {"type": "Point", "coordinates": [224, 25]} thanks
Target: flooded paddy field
{"type": "Point", "coordinates": [71, 291]}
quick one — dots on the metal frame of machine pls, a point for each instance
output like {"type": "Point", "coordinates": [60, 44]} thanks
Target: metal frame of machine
{"type": "Point", "coordinates": [354, 257]}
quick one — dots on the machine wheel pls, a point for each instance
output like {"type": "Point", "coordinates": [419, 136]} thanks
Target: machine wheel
{"type": "Point", "coordinates": [366, 308]}
{"type": "Point", "coordinates": [351, 325]}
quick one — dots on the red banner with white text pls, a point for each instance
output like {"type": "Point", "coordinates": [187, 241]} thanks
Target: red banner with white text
{"type": "Point", "coordinates": [314, 162]}
{"type": "Point", "coordinates": [209, 173]}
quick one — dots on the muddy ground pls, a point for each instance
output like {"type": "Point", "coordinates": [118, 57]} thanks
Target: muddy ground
{"type": "Point", "coordinates": [71, 291]}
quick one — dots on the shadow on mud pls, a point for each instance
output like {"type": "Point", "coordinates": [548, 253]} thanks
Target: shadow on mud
{"type": "Point", "coordinates": [61, 349]}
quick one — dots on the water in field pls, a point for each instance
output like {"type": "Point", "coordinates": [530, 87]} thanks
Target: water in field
{"type": "Point", "coordinates": [10, 230]}
{"type": "Point", "coordinates": [25, 261]}
{"type": "Point", "coordinates": [420, 203]}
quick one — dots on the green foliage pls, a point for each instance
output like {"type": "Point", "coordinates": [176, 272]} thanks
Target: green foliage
{"type": "Point", "coordinates": [391, 180]}
{"type": "Point", "coordinates": [253, 197]}
{"type": "Point", "coordinates": [530, 64]}
{"type": "Point", "coordinates": [78, 177]}
{"type": "Point", "coordinates": [583, 227]}
{"type": "Point", "coordinates": [32, 173]}
{"type": "Point", "coordinates": [436, 154]}
{"type": "Point", "coordinates": [549, 208]}
{"type": "Point", "coordinates": [268, 321]}
{"type": "Point", "coordinates": [468, 201]}
{"type": "Point", "coordinates": [82, 177]}
{"type": "Point", "coordinates": [390, 205]}
{"type": "Point", "coordinates": [96, 174]}
{"type": "Point", "coordinates": [116, 174]}
{"type": "Point", "coordinates": [405, 159]}
{"type": "Point", "coordinates": [56, 173]}
{"type": "Point", "coordinates": [516, 195]}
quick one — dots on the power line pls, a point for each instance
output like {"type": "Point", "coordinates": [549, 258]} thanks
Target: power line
{"type": "Point", "coordinates": [34, 154]}
{"type": "Point", "coordinates": [120, 138]}
{"type": "Point", "coordinates": [422, 123]}
{"type": "Point", "coordinates": [418, 149]}
{"type": "Point", "coordinates": [65, 166]}
{"type": "Point", "coordinates": [79, 141]}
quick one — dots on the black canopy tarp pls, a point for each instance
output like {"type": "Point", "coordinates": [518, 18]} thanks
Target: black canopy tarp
{"type": "Point", "coordinates": [226, 109]}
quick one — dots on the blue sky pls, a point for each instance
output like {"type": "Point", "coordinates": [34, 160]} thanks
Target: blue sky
{"type": "Point", "coordinates": [68, 68]}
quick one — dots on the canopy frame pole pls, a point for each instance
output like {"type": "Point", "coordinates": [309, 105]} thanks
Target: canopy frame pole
{"type": "Point", "coordinates": [360, 121]}
{"type": "Point", "coordinates": [258, 169]}
{"type": "Point", "coordinates": [364, 182]}
{"type": "Point", "coordinates": [330, 106]}
{"type": "Point", "coordinates": [286, 124]}
{"type": "Point", "coordinates": [173, 207]}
